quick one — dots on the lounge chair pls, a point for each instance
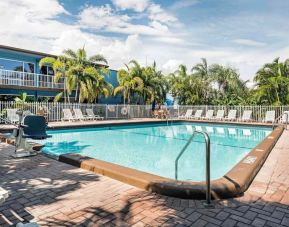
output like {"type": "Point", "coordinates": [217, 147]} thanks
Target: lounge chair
{"type": "Point", "coordinates": [12, 116]}
{"type": "Point", "coordinates": [199, 128]}
{"type": "Point", "coordinates": [285, 117]}
{"type": "Point", "coordinates": [79, 115]}
{"type": "Point", "coordinates": [270, 116]}
{"type": "Point", "coordinates": [220, 115]}
{"type": "Point", "coordinates": [67, 115]}
{"type": "Point", "coordinates": [231, 115]}
{"type": "Point", "coordinates": [209, 115]}
{"type": "Point", "coordinates": [247, 115]}
{"type": "Point", "coordinates": [187, 115]}
{"type": "Point", "coordinates": [198, 114]}
{"type": "Point", "coordinates": [91, 114]}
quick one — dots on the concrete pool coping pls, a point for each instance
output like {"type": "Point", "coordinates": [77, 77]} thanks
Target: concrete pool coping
{"type": "Point", "coordinates": [232, 184]}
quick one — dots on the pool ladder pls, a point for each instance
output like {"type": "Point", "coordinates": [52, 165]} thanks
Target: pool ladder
{"type": "Point", "coordinates": [207, 203]}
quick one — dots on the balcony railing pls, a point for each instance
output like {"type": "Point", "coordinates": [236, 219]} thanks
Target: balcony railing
{"type": "Point", "coordinates": [15, 78]}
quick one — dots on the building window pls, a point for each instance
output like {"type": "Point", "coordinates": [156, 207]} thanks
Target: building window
{"type": "Point", "coordinates": [47, 70]}
{"type": "Point", "coordinates": [28, 67]}
{"type": "Point", "coordinates": [11, 65]}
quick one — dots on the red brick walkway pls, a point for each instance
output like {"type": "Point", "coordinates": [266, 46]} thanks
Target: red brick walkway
{"type": "Point", "coordinates": [57, 194]}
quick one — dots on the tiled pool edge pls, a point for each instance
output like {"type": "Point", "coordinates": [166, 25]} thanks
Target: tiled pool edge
{"type": "Point", "coordinates": [234, 183]}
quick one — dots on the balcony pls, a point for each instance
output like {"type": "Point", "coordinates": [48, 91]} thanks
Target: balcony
{"type": "Point", "coordinates": [29, 80]}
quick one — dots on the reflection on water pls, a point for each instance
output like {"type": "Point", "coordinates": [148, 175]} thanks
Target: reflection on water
{"type": "Point", "coordinates": [154, 148]}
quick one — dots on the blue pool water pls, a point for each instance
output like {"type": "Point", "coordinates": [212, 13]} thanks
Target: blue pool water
{"type": "Point", "coordinates": [153, 148]}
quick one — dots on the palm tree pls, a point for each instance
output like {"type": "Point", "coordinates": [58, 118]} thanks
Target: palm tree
{"type": "Point", "coordinates": [272, 83]}
{"type": "Point", "coordinates": [80, 71]}
{"type": "Point", "coordinates": [60, 67]}
{"type": "Point", "coordinates": [155, 85]}
{"type": "Point", "coordinates": [129, 83]}
{"type": "Point", "coordinates": [202, 69]}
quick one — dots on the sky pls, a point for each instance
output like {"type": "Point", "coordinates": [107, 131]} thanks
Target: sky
{"type": "Point", "coordinates": [243, 34]}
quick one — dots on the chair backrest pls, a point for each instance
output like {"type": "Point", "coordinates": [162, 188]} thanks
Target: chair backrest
{"type": "Point", "coordinates": [284, 117]}
{"type": "Point", "coordinates": [12, 116]}
{"type": "Point", "coordinates": [198, 113]}
{"type": "Point", "coordinates": [78, 113]}
{"type": "Point", "coordinates": [220, 114]}
{"type": "Point", "coordinates": [247, 114]}
{"type": "Point", "coordinates": [189, 113]}
{"type": "Point", "coordinates": [35, 127]}
{"type": "Point", "coordinates": [90, 112]}
{"type": "Point", "coordinates": [209, 113]}
{"type": "Point", "coordinates": [232, 114]}
{"type": "Point", "coordinates": [67, 114]}
{"type": "Point", "coordinates": [270, 116]}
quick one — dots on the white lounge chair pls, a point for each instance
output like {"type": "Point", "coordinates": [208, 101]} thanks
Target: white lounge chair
{"type": "Point", "coordinates": [285, 117]}
{"type": "Point", "coordinates": [67, 115]}
{"type": "Point", "coordinates": [270, 116]}
{"type": "Point", "coordinates": [220, 130]}
{"type": "Point", "coordinates": [247, 115]}
{"type": "Point", "coordinates": [232, 115]}
{"type": "Point", "coordinates": [187, 115]}
{"type": "Point", "coordinates": [198, 114]}
{"type": "Point", "coordinates": [199, 128]}
{"type": "Point", "coordinates": [91, 114]}
{"type": "Point", "coordinates": [12, 116]}
{"type": "Point", "coordinates": [79, 115]}
{"type": "Point", "coordinates": [220, 115]}
{"type": "Point", "coordinates": [209, 115]}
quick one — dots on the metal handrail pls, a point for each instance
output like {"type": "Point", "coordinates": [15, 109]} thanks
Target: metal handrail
{"type": "Point", "coordinates": [208, 152]}
{"type": "Point", "coordinates": [278, 118]}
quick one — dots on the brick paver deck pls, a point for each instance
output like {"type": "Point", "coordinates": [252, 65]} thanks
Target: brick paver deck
{"type": "Point", "coordinates": [56, 194]}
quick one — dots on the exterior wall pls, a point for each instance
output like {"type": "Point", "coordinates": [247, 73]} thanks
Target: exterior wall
{"type": "Point", "coordinates": [20, 57]}
{"type": "Point", "coordinates": [112, 78]}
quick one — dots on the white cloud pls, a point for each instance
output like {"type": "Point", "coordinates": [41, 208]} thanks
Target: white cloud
{"type": "Point", "coordinates": [184, 4]}
{"type": "Point", "coordinates": [136, 5]}
{"type": "Point", "coordinates": [102, 17]}
{"type": "Point", "coordinates": [171, 65]}
{"type": "Point", "coordinates": [156, 13]}
{"type": "Point", "coordinates": [30, 24]}
{"type": "Point", "coordinates": [248, 42]}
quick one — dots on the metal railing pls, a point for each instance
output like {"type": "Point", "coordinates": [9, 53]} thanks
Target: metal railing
{"type": "Point", "coordinates": [280, 121]}
{"type": "Point", "coordinates": [25, 79]}
{"type": "Point", "coordinates": [119, 111]}
{"type": "Point", "coordinates": [208, 152]}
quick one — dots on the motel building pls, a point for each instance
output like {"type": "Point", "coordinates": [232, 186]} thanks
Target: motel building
{"type": "Point", "coordinates": [20, 72]}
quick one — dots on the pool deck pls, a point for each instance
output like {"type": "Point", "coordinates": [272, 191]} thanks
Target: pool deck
{"type": "Point", "coordinates": [71, 124]}
{"type": "Point", "coordinates": [57, 194]}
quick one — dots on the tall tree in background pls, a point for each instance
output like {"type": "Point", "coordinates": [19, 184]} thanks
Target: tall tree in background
{"type": "Point", "coordinates": [272, 83]}
{"type": "Point", "coordinates": [84, 73]}
{"type": "Point", "coordinates": [129, 83]}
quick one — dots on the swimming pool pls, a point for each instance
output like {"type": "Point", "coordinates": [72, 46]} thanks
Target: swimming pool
{"type": "Point", "coordinates": [153, 148]}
